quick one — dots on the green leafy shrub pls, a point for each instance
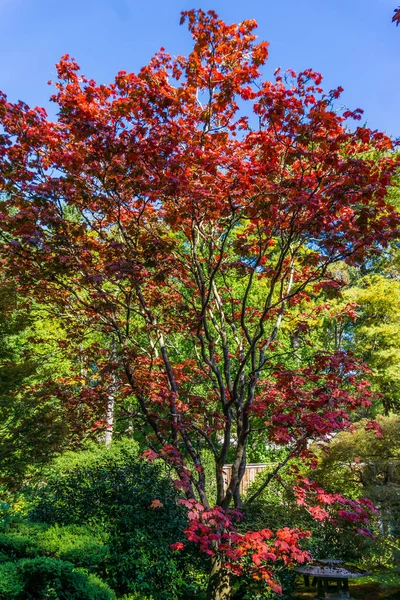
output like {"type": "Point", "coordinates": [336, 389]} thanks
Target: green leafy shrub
{"type": "Point", "coordinates": [114, 489]}
{"type": "Point", "coordinates": [49, 579]}
{"type": "Point", "coordinates": [4, 513]}
{"type": "Point", "coordinates": [141, 532]}
{"type": "Point", "coordinates": [11, 586]}
{"type": "Point", "coordinates": [82, 487]}
{"type": "Point", "coordinates": [136, 597]}
{"type": "Point", "coordinates": [83, 546]}
{"type": "Point", "coordinates": [14, 544]}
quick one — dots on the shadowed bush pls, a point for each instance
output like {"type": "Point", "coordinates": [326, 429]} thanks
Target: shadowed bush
{"type": "Point", "coordinates": [49, 579]}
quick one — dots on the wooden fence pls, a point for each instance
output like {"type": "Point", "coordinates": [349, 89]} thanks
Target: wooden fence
{"type": "Point", "coordinates": [249, 475]}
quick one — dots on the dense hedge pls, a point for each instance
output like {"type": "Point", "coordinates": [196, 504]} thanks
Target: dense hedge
{"type": "Point", "coordinates": [114, 490]}
{"type": "Point", "coordinates": [45, 578]}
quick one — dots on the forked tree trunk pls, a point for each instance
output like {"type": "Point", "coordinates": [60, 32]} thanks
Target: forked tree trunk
{"type": "Point", "coordinates": [219, 583]}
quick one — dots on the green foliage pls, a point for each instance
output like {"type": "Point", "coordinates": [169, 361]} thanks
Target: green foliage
{"type": "Point", "coordinates": [113, 488]}
{"type": "Point", "coordinates": [83, 486]}
{"type": "Point", "coordinates": [260, 452]}
{"type": "Point", "coordinates": [386, 580]}
{"type": "Point", "coordinates": [135, 596]}
{"type": "Point", "coordinates": [16, 545]}
{"type": "Point", "coordinates": [44, 373]}
{"type": "Point", "coordinates": [5, 516]}
{"type": "Point", "coordinates": [31, 424]}
{"type": "Point", "coordinates": [376, 333]}
{"type": "Point", "coordinates": [141, 561]}
{"type": "Point", "coordinates": [88, 486]}
{"type": "Point", "coordinates": [49, 579]}
{"type": "Point", "coordinates": [11, 586]}
{"type": "Point", "coordinates": [83, 546]}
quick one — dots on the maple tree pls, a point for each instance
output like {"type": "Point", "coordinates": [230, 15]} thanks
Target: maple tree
{"type": "Point", "coordinates": [396, 16]}
{"type": "Point", "coordinates": [185, 212]}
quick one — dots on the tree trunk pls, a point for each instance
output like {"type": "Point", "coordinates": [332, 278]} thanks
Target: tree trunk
{"type": "Point", "coordinates": [111, 399]}
{"type": "Point", "coordinates": [109, 420]}
{"type": "Point", "coordinates": [219, 583]}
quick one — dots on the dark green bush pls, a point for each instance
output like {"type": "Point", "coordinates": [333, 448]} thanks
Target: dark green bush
{"type": "Point", "coordinates": [82, 487]}
{"type": "Point", "coordinates": [14, 545]}
{"type": "Point", "coordinates": [49, 579]}
{"type": "Point", "coordinates": [114, 489]}
{"type": "Point", "coordinates": [140, 558]}
{"type": "Point", "coordinates": [11, 586]}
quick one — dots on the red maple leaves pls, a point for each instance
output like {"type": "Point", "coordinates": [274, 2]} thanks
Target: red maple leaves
{"type": "Point", "coordinates": [215, 532]}
{"type": "Point", "coordinates": [334, 507]}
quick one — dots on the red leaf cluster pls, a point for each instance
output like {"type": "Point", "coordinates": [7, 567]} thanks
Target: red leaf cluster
{"type": "Point", "coordinates": [215, 531]}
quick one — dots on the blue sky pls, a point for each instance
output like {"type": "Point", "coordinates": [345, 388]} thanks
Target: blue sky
{"type": "Point", "coordinates": [351, 42]}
